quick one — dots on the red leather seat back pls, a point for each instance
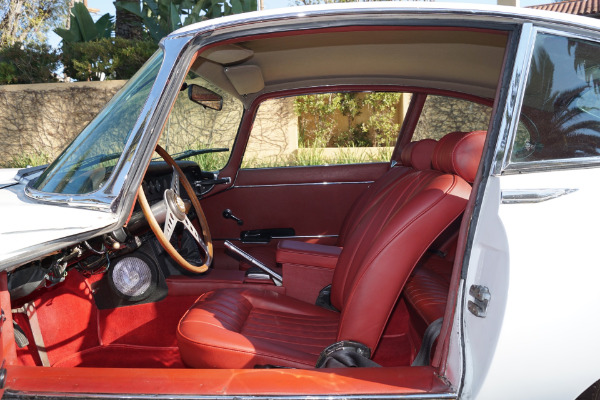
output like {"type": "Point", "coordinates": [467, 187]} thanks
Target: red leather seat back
{"type": "Point", "coordinates": [387, 242]}
{"type": "Point", "coordinates": [415, 156]}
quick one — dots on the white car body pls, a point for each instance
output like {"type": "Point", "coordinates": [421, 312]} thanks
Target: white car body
{"type": "Point", "coordinates": [530, 239]}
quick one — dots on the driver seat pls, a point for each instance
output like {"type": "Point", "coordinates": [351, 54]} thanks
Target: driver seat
{"type": "Point", "coordinates": [242, 328]}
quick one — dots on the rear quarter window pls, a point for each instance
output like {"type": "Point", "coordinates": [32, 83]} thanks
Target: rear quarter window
{"type": "Point", "coordinates": [560, 115]}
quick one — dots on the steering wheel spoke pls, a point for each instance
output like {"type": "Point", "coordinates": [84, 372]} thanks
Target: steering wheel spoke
{"type": "Point", "coordinates": [192, 229]}
{"type": "Point", "coordinates": [170, 223]}
{"type": "Point", "coordinates": [175, 182]}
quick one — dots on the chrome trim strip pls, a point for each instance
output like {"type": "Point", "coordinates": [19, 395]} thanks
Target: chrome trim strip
{"type": "Point", "coordinates": [543, 165]}
{"type": "Point", "coordinates": [530, 196]}
{"type": "Point", "coordinates": [283, 237]}
{"type": "Point", "coordinates": [514, 98]}
{"type": "Point", "coordinates": [305, 237]}
{"type": "Point", "coordinates": [304, 184]}
{"type": "Point", "coordinates": [12, 394]}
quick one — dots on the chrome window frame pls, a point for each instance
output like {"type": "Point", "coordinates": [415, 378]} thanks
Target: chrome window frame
{"type": "Point", "coordinates": [505, 165]}
{"type": "Point", "coordinates": [107, 198]}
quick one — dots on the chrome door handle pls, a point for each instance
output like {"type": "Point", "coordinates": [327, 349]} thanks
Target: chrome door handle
{"type": "Point", "coordinates": [524, 196]}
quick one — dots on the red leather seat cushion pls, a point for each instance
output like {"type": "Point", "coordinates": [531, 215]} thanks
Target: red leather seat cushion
{"type": "Point", "coordinates": [242, 328]}
{"type": "Point", "coordinates": [427, 289]}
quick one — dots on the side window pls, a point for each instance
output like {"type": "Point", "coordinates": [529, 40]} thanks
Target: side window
{"type": "Point", "coordinates": [442, 115]}
{"type": "Point", "coordinates": [560, 116]}
{"type": "Point", "coordinates": [193, 128]}
{"type": "Point", "coordinates": [325, 129]}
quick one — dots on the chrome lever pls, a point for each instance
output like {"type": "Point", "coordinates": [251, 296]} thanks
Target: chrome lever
{"type": "Point", "coordinates": [277, 279]}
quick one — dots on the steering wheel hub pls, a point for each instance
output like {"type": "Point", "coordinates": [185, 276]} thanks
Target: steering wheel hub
{"type": "Point", "coordinates": [175, 204]}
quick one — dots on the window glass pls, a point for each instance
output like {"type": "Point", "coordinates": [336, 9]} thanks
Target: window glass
{"type": "Point", "coordinates": [560, 116]}
{"type": "Point", "coordinates": [85, 165]}
{"type": "Point", "coordinates": [324, 129]}
{"type": "Point", "coordinates": [442, 115]}
{"type": "Point", "coordinates": [193, 128]}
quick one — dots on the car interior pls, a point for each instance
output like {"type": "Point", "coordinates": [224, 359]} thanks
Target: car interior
{"type": "Point", "coordinates": [299, 266]}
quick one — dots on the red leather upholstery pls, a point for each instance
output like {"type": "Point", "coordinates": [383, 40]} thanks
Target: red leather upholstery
{"type": "Point", "coordinates": [378, 259]}
{"type": "Point", "coordinates": [293, 252]}
{"type": "Point", "coordinates": [454, 153]}
{"type": "Point", "coordinates": [426, 292]}
{"type": "Point", "coordinates": [418, 154]}
{"type": "Point", "coordinates": [237, 328]}
{"type": "Point", "coordinates": [233, 329]}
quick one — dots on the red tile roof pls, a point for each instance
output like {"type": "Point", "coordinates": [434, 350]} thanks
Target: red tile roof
{"type": "Point", "coordinates": [590, 8]}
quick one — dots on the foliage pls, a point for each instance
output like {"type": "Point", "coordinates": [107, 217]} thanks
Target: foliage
{"type": "Point", "coordinates": [319, 115]}
{"type": "Point", "coordinates": [384, 107]}
{"type": "Point", "coordinates": [162, 17]}
{"type": "Point", "coordinates": [318, 156]}
{"type": "Point", "coordinates": [83, 28]}
{"type": "Point", "coordinates": [26, 160]}
{"type": "Point", "coordinates": [313, 2]}
{"type": "Point", "coordinates": [31, 63]}
{"type": "Point", "coordinates": [28, 21]}
{"type": "Point", "coordinates": [116, 58]}
{"type": "Point", "coordinates": [127, 24]}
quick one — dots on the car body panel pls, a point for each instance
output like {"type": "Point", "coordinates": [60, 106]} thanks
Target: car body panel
{"type": "Point", "coordinates": [26, 221]}
{"type": "Point", "coordinates": [538, 329]}
{"type": "Point", "coordinates": [536, 324]}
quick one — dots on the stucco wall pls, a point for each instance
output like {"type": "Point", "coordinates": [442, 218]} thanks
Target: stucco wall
{"type": "Point", "coordinates": [41, 119]}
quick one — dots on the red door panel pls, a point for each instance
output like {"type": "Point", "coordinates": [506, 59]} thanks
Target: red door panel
{"type": "Point", "coordinates": [311, 200]}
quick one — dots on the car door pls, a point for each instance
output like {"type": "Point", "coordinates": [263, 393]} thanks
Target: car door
{"type": "Point", "coordinates": [296, 175]}
{"type": "Point", "coordinates": [530, 295]}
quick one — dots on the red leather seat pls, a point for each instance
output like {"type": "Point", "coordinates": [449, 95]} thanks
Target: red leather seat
{"type": "Point", "coordinates": [238, 329]}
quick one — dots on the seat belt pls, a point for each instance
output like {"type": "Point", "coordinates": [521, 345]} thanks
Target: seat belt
{"type": "Point", "coordinates": [429, 337]}
{"type": "Point", "coordinates": [29, 310]}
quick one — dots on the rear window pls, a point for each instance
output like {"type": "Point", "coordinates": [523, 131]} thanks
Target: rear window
{"type": "Point", "coordinates": [442, 115]}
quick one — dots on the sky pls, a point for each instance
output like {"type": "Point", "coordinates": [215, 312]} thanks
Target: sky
{"type": "Point", "coordinates": [107, 6]}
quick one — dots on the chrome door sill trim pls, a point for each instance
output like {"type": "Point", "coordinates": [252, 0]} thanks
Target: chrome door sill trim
{"type": "Point", "coordinates": [304, 184]}
{"type": "Point", "coordinates": [529, 196]}
{"type": "Point", "coordinates": [10, 394]}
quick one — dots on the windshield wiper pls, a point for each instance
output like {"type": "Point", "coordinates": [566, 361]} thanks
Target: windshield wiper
{"type": "Point", "coordinates": [191, 153]}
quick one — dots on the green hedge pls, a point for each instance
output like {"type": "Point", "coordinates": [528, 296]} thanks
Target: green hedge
{"type": "Point", "coordinates": [31, 63]}
{"type": "Point", "coordinates": [117, 58]}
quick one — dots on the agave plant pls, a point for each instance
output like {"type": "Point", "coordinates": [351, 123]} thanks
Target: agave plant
{"type": "Point", "coordinates": [162, 17]}
{"type": "Point", "coordinates": [83, 28]}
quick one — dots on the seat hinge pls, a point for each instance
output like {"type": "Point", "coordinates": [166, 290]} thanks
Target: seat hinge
{"type": "Point", "coordinates": [481, 298]}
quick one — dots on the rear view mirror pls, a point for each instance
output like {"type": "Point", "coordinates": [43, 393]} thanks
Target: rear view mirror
{"type": "Point", "coordinates": [204, 97]}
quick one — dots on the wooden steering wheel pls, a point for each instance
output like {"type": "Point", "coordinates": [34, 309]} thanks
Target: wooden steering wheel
{"type": "Point", "coordinates": [177, 212]}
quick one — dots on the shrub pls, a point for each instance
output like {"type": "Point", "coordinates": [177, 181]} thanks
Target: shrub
{"type": "Point", "coordinates": [116, 58]}
{"type": "Point", "coordinates": [31, 63]}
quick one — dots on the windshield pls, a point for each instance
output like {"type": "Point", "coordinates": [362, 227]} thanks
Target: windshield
{"type": "Point", "coordinates": [86, 164]}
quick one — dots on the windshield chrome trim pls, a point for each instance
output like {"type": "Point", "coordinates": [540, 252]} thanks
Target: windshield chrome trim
{"type": "Point", "coordinates": [103, 198]}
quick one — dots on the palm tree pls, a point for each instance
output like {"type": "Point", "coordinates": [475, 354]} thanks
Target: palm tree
{"type": "Point", "coordinates": [128, 25]}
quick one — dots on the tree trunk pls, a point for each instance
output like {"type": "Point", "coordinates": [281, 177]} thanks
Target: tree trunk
{"type": "Point", "coordinates": [128, 25]}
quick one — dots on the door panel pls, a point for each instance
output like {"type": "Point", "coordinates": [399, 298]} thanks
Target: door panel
{"type": "Point", "coordinates": [313, 201]}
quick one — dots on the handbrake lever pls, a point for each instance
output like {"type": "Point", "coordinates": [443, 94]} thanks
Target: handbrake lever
{"type": "Point", "coordinates": [277, 279]}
